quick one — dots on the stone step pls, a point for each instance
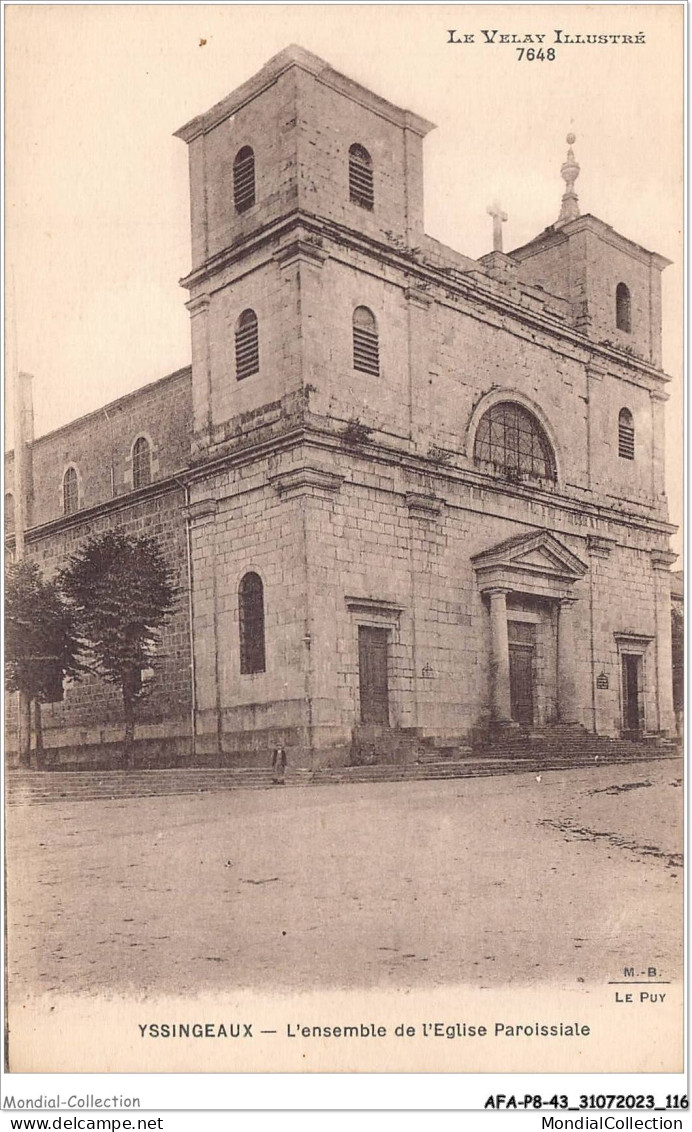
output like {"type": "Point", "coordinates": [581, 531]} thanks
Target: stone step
{"type": "Point", "coordinates": [37, 786]}
{"type": "Point", "coordinates": [588, 746]}
{"type": "Point", "coordinates": [40, 788]}
{"type": "Point", "coordinates": [433, 756]}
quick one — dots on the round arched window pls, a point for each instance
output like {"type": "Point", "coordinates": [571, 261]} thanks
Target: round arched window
{"type": "Point", "coordinates": [141, 463]}
{"type": "Point", "coordinates": [251, 619]}
{"type": "Point", "coordinates": [623, 308]}
{"type": "Point", "coordinates": [511, 439]}
{"type": "Point", "coordinates": [70, 492]}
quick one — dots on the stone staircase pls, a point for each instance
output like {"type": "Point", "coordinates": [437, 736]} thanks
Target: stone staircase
{"type": "Point", "coordinates": [374, 745]}
{"type": "Point", "coordinates": [36, 787]}
{"type": "Point", "coordinates": [431, 755]}
{"type": "Point", "coordinates": [570, 744]}
{"type": "Point", "coordinates": [408, 772]}
{"type": "Point", "coordinates": [510, 752]}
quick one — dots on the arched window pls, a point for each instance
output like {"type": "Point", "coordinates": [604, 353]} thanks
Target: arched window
{"type": "Point", "coordinates": [246, 345]}
{"type": "Point", "coordinates": [141, 462]}
{"type": "Point", "coordinates": [509, 437]}
{"type": "Point", "coordinates": [251, 623]}
{"type": "Point", "coordinates": [9, 512]}
{"type": "Point", "coordinates": [623, 308]}
{"type": "Point", "coordinates": [244, 179]}
{"type": "Point", "coordinates": [626, 435]}
{"type": "Point", "coordinates": [360, 182]}
{"type": "Point", "coordinates": [366, 348]}
{"type": "Point", "coordinates": [70, 492]}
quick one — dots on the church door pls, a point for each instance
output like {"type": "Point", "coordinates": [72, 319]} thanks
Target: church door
{"type": "Point", "coordinates": [632, 699]}
{"type": "Point", "coordinates": [521, 683]}
{"type": "Point", "coordinates": [374, 686]}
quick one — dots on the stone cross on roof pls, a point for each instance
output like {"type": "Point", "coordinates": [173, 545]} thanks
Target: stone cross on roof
{"type": "Point", "coordinates": [499, 218]}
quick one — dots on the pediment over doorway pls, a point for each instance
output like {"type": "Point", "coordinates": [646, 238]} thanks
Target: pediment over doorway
{"type": "Point", "coordinates": [535, 563]}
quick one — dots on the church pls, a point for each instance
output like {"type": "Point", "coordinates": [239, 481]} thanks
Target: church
{"type": "Point", "coordinates": [408, 495]}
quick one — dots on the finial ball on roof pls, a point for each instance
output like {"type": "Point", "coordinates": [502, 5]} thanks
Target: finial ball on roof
{"type": "Point", "coordinates": [571, 138]}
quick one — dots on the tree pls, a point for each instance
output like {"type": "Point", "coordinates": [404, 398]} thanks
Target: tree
{"type": "Point", "coordinates": [121, 593]}
{"type": "Point", "coordinates": [41, 643]}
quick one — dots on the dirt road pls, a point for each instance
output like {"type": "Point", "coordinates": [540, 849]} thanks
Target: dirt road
{"type": "Point", "coordinates": [491, 881]}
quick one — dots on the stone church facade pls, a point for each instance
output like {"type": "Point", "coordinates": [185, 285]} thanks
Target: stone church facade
{"type": "Point", "coordinates": [406, 493]}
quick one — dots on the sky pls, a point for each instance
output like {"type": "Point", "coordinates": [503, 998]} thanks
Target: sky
{"type": "Point", "coordinates": [97, 222]}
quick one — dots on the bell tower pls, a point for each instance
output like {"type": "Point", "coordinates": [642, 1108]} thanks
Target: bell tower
{"type": "Point", "coordinates": [612, 284]}
{"type": "Point", "coordinates": [297, 147]}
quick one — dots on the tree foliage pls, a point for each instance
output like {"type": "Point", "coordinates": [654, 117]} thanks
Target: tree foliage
{"type": "Point", "coordinates": [121, 593]}
{"type": "Point", "coordinates": [41, 640]}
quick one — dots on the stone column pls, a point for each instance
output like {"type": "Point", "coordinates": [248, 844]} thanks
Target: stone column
{"type": "Point", "coordinates": [567, 703]}
{"type": "Point", "coordinates": [658, 448]}
{"type": "Point", "coordinates": [420, 357]}
{"type": "Point", "coordinates": [205, 643]}
{"type": "Point", "coordinates": [661, 561]}
{"type": "Point", "coordinates": [499, 656]}
{"type": "Point", "coordinates": [201, 372]}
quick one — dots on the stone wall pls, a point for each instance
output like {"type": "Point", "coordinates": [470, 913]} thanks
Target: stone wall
{"type": "Point", "coordinates": [99, 447]}
{"type": "Point", "coordinates": [330, 121]}
{"type": "Point", "coordinates": [584, 261]}
{"type": "Point", "coordinates": [241, 523]}
{"type": "Point", "coordinates": [87, 726]}
{"type": "Point", "coordinates": [300, 118]}
{"type": "Point", "coordinates": [443, 362]}
{"type": "Point", "coordinates": [268, 125]}
{"type": "Point", "coordinates": [389, 546]}
{"type": "Point", "coordinates": [273, 294]}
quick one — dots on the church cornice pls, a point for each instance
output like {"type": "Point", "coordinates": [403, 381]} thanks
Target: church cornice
{"type": "Point", "coordinates": [295, 56]}
{"type": "Point", "coordinates": [589, 223]}
{"type": "Point", "coordinates": [87, 515]}
{"type": "Point", "coordinates": [479, 294]}
{"type": "Point", "coordinates": [414, 466]}
{"type": "Point", "coordinates": [415, 469]}
{"type": "Point", "coordinates": [306, 480]}
{"type": "Point", "coordinates": [184, 374]}
{"type": "Point", "coordinates": [424, 504]}
{"type": "Point", "coordinates": [663, 560]}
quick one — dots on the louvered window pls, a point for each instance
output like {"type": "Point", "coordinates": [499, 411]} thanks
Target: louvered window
{"type": "Point", "coordinates": [244, 179]}
{"type": "Point", "coordinates": [366, 349]}
{"type": "Point", "coordinates": [360, 180]}
{"type": "Point", "coordinates": [626, 435]}
{"type": "Point", "coordinates": [623, 308]}
{"type": "Point", "coordinates": [251, 624]}
{"type": "Point", "coordinates": [141, 463]}
{"type": "Point", "coordinates": [70, 492]}
{"type": "Point", "coordinates": [511, 439]}
{"type": "Point", "coordinates": [246, 345]}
